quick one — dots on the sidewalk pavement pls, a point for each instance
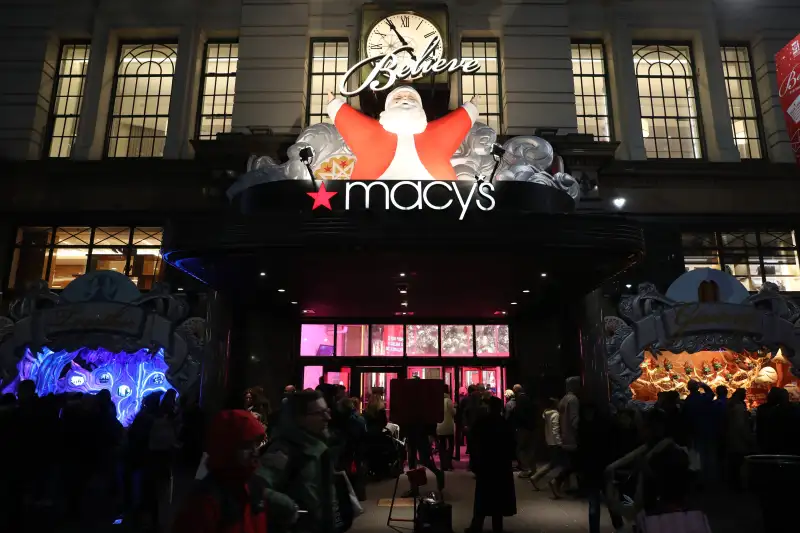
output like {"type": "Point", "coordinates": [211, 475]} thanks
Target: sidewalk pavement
{"type": "Point", "coordinates": [537, 512]}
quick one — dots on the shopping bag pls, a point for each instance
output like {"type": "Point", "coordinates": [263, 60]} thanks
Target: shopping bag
{"type": "Point", "coordinates": [343, 509]}
{"type": "Point", "coordinates": [202, 469]}
{"type": "Point", "coordinates": [357, 509]}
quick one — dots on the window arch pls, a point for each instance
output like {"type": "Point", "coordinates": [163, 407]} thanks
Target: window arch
{"type": "Point", "coordinates": [142, 91]}
{"type": "Point", "coordinates": [668, 101]}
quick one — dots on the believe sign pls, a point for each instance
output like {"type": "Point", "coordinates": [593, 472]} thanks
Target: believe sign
{"type": "Point", "coordinates": [387, 65]}
{"type": "Point", "coordinates": [787, 67]}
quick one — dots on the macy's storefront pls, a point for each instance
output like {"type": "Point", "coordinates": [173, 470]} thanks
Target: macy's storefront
{"type": "Point", "coordinates": [397, 247]}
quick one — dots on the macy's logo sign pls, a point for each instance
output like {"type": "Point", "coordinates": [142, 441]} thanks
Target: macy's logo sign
{"type": "Point", "coordinates": [418, 197]}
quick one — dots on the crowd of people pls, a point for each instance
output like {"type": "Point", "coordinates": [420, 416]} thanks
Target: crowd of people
{"type": "Point", "coordinates": [71, 462]}
{"type": "Point", "coordinates": [304, 465]}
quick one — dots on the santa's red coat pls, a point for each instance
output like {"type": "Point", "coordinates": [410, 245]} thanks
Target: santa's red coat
{"type": "Point", "coordinates": [374, 147]}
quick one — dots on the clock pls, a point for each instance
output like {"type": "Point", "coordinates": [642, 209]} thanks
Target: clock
{"type": "Point", "coordinates": [400, 30]}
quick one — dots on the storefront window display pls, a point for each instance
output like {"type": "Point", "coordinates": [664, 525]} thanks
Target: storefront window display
{"type": "Point", "coordinates": [457, 341]}
{"type": "Point", "coordinates": [492, 341]}
{"type": "Point", "coordinates": [422, 340]}
{"type": "Point", "coordinates": [404, 340]}
{"type": "Point", "coordinates": [756, 372]}
{"type": "Point", "coordinates": [352, 340]}
{"type": "Point", "coordinates": [61, 254]}
{"type": "Point", "coordinates": [387, 340]}
{"type": "Point", "coordinates": [316, 340]}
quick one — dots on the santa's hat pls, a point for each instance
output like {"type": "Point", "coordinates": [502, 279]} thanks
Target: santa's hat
{"type": "Point", "coordinates": [404, 88]}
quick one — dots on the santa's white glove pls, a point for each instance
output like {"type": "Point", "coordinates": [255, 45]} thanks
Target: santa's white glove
{"type": "Point", "coordinates": [334, 104]}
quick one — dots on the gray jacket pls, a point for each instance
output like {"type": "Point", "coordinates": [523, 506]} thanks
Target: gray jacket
{"type": "Point", "coordinates": [569, 418]}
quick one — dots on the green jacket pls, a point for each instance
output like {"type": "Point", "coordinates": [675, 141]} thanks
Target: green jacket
{"type": "Point", "coordinates": [298, 470]}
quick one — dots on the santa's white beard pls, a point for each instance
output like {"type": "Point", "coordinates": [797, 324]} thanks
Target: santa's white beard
{"type": "Point", "coordinates": [404, 121]}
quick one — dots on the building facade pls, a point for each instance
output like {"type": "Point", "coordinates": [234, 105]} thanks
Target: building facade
{"type": "Point", "coordinates": [118, 120]}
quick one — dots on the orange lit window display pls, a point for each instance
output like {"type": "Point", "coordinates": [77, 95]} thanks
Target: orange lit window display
{"type": "Point", "coordinates": [756, 372]}
{"type": "Point", "coordinates": [64, 253]}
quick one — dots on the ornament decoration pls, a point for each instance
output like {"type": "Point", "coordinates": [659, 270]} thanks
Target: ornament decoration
{"type": "Point", "coordinates": [423, 340]}
{"type": "Point", "coordinates": [457, 340]}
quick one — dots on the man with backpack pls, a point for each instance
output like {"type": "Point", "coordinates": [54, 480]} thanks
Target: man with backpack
{"type": "Point", "coordinates": [230, 498]}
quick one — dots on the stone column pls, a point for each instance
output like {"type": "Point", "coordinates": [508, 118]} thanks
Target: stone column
{"type": "Point", "coordinates": [103, 61]}
{"type": "Point", "coordinates": [185, 93]}
{"type": "Point", "coordinates": [626, 114]}
{"type": "Point", "coordinates": [712, 95]}
{"type": "Point", "coordinates": [765, 45]}
{"type": "Point", "coordinates": [594, 365]}
{"type": "Point", "coordinates": [271, 77]}
{"type": "Point", "coordinates": [537, 67]}
{"type": "Point", "coordinates": [214, 377]}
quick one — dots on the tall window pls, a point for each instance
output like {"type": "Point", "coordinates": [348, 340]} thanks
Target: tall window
{"type": "Point", "coordinates": [486, 81]}
{"type": "Point", "coordinates": [142, 91]}
{"type": "Point", "coordinates": [328, 63]}
{"type": "Point", "coordinates": [742, 100]}
{"type": "Point", "coordinates": [591, 100]}
{"type": "Point", "coordinates": [667, 99]}
{"type": "Point", "coordinates": [59, 255]}
{"type": "Point", "coordinates": [67, 98]}
{"type": "Point", "coordinates": [753, 257]}
{"type": "Point", "coordinates": [219, 88]}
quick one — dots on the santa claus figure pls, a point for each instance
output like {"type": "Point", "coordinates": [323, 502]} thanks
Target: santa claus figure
{"type": "Point", "coordinates": [402, 145]}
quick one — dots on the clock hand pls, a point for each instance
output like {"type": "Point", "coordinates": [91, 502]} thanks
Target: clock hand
{"type": "Point", "coordinates": [402, 41]}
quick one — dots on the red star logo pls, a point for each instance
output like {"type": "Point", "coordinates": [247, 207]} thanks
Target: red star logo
{"type": "Point", "coordinates": [322, 197]}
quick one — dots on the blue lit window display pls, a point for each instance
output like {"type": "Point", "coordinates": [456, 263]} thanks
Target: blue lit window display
{"type": "Point", "coordinates": [129, 377]}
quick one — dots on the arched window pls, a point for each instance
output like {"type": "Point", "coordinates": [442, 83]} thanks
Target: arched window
{"type": "Point", "coordinates": [668, 101]}
{"type": "Point", "coordinates": [138, 126]}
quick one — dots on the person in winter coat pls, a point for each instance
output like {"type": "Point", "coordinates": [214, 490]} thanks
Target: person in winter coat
{"type": "Point", "coordinates": [492, 455]}
{"type": "Point", "coordinates": [777, 424]}
{"type": "Point", "coordinates": [474, 409]}
{"type": "Point", "coordinates": [569, 418]}
{"type": "Point", "coordinates": [298, 467]}
{"type": "Point", "coordinates": [445, 431]}
{"type": "Point", "coordinates": [230, 499]}
{"type": "Point", "coordinates": [552, 436]}
{"type": "Point", "coordinates": [524, 425]}
{"type": "Point", "coordinates": [739, 439]}
{"type": "Point", "coordinates": [596, 451]}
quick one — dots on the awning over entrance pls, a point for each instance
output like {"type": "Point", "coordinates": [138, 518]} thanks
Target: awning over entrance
{"type": "Point", "coordinates": [358, 263]}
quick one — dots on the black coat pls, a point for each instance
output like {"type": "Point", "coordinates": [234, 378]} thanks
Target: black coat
{"type": "Point", "coordinates": [492, 452]}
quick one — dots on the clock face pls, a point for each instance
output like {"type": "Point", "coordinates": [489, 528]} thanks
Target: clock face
{"type": "Point", "coordinates": [403, 29]}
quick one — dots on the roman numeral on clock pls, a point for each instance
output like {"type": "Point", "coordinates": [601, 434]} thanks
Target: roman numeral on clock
{"type": "Point", "coordinates": [429, 34]}
{"type": "Point", "coordinates": [405, 21]}
{"type": "Point", "coordinates": [375, 46]}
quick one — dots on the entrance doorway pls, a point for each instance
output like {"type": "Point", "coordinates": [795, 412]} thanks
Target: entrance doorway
{"type": "Point", "coordinates": [447, 374]}
{"type": "Point", "coordinates": [493, 378]}
{"type": "Point", "coordinates": [367, 380]}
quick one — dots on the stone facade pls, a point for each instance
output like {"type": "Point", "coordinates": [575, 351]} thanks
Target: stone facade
{"type": "Point", "coordinates": [274, 45]}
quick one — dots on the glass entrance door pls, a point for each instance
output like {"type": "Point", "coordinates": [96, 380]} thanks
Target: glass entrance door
{"type": "Point", "coordinates": [375, 381]}
{"type": "Point", "coordinates": [490, 377]}
{"type": "Point", "coordinates": [446, 374]}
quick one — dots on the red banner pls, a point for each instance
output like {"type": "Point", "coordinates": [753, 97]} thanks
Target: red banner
{"type": "Point", "coordinates": [787, 63]}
